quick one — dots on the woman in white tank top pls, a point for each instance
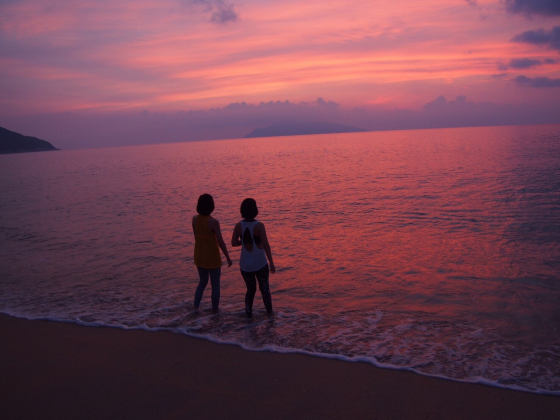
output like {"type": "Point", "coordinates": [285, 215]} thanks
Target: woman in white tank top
{"type": "Point", "coordinates": [256, 257]}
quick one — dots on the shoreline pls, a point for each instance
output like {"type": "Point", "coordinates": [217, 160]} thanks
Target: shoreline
{"type": "Point", "coordinates": [328, 356]}
{"type": "Point", "coordinates": [63, 370]}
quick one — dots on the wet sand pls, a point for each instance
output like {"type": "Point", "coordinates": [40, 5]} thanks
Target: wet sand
{"type": "Point", "coordinates": [53, 370]}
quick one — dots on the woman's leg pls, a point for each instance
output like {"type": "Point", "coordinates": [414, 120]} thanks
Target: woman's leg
{"type": "Point", "coordinates": [215, 283]}
{"type": "Point", "coordinates": [251, 284]}
{"type": "Point", "coordinates": [203, 274]}
{"type": "Point", "coordinates": [262, 278]}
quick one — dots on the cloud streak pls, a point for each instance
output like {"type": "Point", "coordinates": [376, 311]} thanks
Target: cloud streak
{"type": "Point", "coordinates": [220, 11]}
{"type": "Point", "coordinates": [534, 7]}
{"type": "Point", "coordinates": [537, 82]}
{"type": "Point", "coordinates": [540, 37]}
{"type": "Point", "coordinates": [525, 63]}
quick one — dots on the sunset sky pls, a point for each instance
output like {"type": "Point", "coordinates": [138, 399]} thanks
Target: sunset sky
{"type": "Point", "coordinates": [102, 73]}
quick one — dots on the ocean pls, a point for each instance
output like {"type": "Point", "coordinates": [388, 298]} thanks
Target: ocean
{"type": "Point", "coordinates": [436, 251]}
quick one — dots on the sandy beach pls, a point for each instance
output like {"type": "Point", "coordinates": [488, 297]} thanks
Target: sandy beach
{"type": "Point", "coordinates": [54, 370]}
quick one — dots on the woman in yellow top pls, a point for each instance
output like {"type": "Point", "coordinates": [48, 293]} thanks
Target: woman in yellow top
{"type": "Point", "coordinates": [207, 239]}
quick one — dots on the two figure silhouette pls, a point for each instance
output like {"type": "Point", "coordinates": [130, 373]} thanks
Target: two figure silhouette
{"type": "Point", "coordinates": [255, 262]}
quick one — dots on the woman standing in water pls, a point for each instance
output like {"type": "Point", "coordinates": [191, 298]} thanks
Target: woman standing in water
{"type": "Point", "coordinates": [255, 250]}
{"type": "Point", "coordinates": [207, 239]}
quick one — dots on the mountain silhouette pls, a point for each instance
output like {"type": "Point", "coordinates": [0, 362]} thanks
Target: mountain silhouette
{"type": "Point", "coordinates": [12, 142]}
{"type": "Point", "coordinates": [302, 128]}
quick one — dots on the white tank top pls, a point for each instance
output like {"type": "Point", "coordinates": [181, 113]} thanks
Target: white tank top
{"type": "Point", "coordinates": [251, 259]}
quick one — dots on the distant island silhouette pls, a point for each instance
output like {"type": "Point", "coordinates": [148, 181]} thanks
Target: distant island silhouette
{"type": "Point", "coordinates": [12, 142]}
{"type": "Point", "coordinates": [302, 128]}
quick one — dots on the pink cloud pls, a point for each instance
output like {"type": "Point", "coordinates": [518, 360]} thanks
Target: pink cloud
{"type": "Point", "coordinates": [180, 55]}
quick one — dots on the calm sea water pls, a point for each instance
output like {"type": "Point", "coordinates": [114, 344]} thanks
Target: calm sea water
{"type": "Point", "coordinates": [433, 250]}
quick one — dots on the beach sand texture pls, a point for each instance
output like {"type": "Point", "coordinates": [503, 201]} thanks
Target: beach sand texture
{"type": "Point", "coordinates": [55, 370]}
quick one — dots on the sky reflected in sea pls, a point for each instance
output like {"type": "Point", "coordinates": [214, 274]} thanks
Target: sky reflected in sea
{"type": "Point", "coordinates": [431, 249]}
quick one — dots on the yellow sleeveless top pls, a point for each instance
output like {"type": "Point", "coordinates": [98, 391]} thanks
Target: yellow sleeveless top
{"type": "Point", "coordinates": [206, 250]}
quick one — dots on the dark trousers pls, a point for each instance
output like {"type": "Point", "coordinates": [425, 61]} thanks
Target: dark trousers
{"type": "Point", "coordinates": [251, 278]}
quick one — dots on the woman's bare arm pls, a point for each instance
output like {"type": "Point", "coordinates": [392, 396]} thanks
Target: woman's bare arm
{"type": "Point", "coordinates": [214, 226]}
{"type": "Point", "coordinates": [236, 236]}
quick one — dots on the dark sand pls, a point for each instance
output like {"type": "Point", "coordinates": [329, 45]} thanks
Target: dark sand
{"type": "Point", "coordinates": [53, 370]}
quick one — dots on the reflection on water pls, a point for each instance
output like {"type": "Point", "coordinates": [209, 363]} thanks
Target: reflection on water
{"type": "Point", "coordinates": [432, 249]}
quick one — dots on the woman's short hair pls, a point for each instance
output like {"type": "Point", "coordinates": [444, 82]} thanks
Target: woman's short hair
{"type": "Point", "coordinates": [249, 209]}
{"type": "Point", "coordinates": [205, 205]}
